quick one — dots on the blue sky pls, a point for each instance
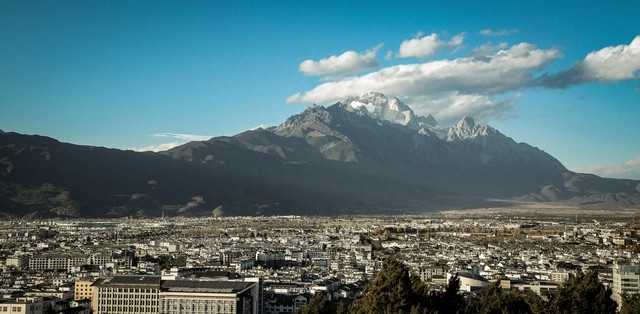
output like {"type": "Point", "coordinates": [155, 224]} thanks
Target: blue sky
{"type": "Point", "coordinates": [562, 76]}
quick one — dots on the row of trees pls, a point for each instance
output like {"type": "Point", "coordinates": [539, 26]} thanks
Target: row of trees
{"type": "Point", "coordinates": [394, 291]}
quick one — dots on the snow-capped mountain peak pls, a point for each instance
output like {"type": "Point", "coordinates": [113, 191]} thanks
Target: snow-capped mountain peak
{"type": "Point", "coordinates": [467, 128]}
{"type": "Point", "coordinates": [378, 106]}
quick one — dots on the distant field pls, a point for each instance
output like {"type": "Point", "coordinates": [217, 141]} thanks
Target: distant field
{"type": "Point", "coordinates": [538, 209]}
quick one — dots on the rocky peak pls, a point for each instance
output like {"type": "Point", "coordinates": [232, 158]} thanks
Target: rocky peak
{"type": "Point", "coordinates": [378, 106]}
{"type": "Point", "coordinates": [467, 128]}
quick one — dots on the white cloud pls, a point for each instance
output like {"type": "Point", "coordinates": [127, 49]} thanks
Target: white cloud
{"type": "Point", "coordinates": [157, 148]}
{"type": "Point", "coordinates": [183, 139]}
{"type": "Point", "coordinates": [449, 107]}
{"type": "Point", "coordinates": [608, 64]}
{"type": "Point", "coordinates": [426, 46]}
{"type": "Point", "coordinates": [445, 86]}
{"type": "Point", "coordinates": [389, 55]}
{"type": "Point", "coordinates": [348, 62]}
{"type": "Point", "coordinates": [494, 33]}
{"type": "Point", "coordinates": [627, 170]}
{"type": "Point", "coordinates": [261, 126]}
{"type": "Point", "coordinates": [487, 49]}
{"type": "Point", "coordinates": [187, 137]}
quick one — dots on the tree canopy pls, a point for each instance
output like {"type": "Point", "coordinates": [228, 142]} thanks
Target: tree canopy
{"type": "Point", "coordinates": [394, 290]}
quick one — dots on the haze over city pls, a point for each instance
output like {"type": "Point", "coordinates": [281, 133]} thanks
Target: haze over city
{"type": "Point", "coordinates": [152, 75]}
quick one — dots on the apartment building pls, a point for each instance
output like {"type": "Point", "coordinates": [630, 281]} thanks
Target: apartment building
{"type": "Point", "coordinates": [150, 294]}
{"type": "Point", "coordinates": [200, 297]}
{"type": "Point", "coordinates": [26, 305]}
{"type": "Point", "coordinates": [626, 279]}
{"type": "Point", "coordinates": [126, 294]}
{"type": "Point", "coordinates": [429, 273]}
{"type": "Point", "coordinates": [83, 289]}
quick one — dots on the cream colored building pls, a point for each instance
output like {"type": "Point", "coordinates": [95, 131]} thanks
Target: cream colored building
{"type": "Point", "coordinates": [83, 289]}
{"type": "Point", "coordinates": [126, 294]}
{"type": "Point", "coordinates": [561, 276]}
{"type": "Point", "coordinates": [201, 297]}
{"type": "Point", "coordinates": [626, 279]}
{"type": "Point", "coordinates": [26, 305]}
{"type": "Point", "coordinates": [150, 294]}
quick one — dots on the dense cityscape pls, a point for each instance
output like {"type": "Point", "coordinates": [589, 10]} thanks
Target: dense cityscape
{"type": "Point", "coordinates": [277, 264]}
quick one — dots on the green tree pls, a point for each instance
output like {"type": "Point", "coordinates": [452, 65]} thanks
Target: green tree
{"type": "Point", "coordinates": [537, 304]}
{"type": "Point", "coordinates": [584, 293]}
{"type": "Point", "coordinates": [450, 301]}
{"type": "Point", "coordinates": [390, 292]}
{"type": "Point", "coordinates": [494, 300]}
{"type": "Point", "coordinates": [343, 307]}
{"type": "Point", "coordinates": [630, 304]}
{"type": "Point", "coordinates": [317, 305]}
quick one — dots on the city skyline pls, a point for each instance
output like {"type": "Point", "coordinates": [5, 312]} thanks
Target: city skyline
{"type": "Point", "coordinates": [149, 76]}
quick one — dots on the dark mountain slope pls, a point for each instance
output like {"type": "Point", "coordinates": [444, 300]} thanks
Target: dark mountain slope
{"type": "Point", "coordinates": [364, 155]}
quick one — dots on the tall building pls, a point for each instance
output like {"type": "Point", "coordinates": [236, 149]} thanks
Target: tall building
{"type": "Point", "coordinates": [83, 289]}
{"type": "Point", "coordinates": [150, 294]}
{"type": "Point", "coordinates": [126, 294]}
{"type": "Point", "coordinates": [200, 297]}
{"type": "Point", "coordinates": [429, 273]}
{"type": "Point", "coordinates": [626, 279]}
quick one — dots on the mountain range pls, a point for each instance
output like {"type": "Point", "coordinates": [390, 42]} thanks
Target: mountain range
{"type": "Point", "coordinates": [363, 155]}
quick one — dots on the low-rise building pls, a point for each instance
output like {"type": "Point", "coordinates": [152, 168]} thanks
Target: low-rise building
{"type": "Point", "coordinates": [25, 305]}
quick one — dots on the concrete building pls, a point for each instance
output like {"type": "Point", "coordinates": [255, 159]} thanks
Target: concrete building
{"type": "Point", "coordinates": [471, 281]}
{"type": "Point", "coordinates": [429, 273]}
{"type": "Point", "coordinates": [126, 294]}
{"type": "Point", "coordinates": [561, 276]}
{"type": "Point", "coordinates": [150, 294]}
{"type": "Point", "coordinates": [83, 289]}
{"type": "Point", "coordinates": [540, 288]}
{"type": "Point", "coordinates": [626, 279]}
{"type": "Point", "coordinates": [26, 305]}
{"type": "Point", "coordinates": [200, 297]}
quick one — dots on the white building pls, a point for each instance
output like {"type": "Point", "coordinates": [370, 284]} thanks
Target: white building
{"type": "Point", "coordinates": [27, 305]}
{"type": "Point", "coordinates": [470, 281]}
{"type": "Point", "coordinates": [626, 279]}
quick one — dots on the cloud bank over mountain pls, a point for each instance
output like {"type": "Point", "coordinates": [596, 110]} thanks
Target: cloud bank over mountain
{"type": "Point", "coordinates": [608, 64]}
{"type": "Point", "coordinates": [178, 139]}
{"type": "Point", "coordinates": [485, 84]}
{"type": "Point", "coordinates": [627, 170]}
{"type": "Point", "coordinates": [447, 89]}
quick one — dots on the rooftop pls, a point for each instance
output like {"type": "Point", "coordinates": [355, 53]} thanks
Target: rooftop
{"type": "Point", "coordinates": [205, 286]}
{"type": "Point", "coordinates": [153, 281]}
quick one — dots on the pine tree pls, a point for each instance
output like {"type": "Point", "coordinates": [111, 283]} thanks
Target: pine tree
{"type": "Point", "coordinates": [584, 293]}
{"type": "Point", "coordinates": [317, 305]}
{"type": "Point", "coordinates": [630, 304]}
{"type": "Point", "coordinates": [494, 300]}
{"type": "Point", "coordinates": [343, 307]}
{"type": "Point", "coordinates": [451, 300]}
{"type": "Point", "coordinates": [390, 292]}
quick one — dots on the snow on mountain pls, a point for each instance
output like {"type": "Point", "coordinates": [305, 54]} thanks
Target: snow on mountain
{"type": "Point", "coordinates": [378, 106]}
{"type": "Point", "coordinates": [466, 128]}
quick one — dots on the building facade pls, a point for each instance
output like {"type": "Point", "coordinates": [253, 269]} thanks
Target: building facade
{"type": "Point", "coordinates": [25, 305]}
{"type": "Point", "coordinates": [151, 294]}
{"type": "Point", "coordinates": [126, 294]}
{"type": "Point", "coordinates": [83, 289]}
{"type": "Point", "coordinates": [200, 297]}
{"type": "Point", "coordinates": [626, 279]}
